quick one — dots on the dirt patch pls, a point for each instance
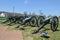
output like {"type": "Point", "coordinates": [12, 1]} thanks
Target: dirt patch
{"type": "Point", "coordinates": [10, 34]}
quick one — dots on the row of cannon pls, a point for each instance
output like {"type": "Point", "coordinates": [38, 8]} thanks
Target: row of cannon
{"type": "Point", "coordinates": [34, 21]}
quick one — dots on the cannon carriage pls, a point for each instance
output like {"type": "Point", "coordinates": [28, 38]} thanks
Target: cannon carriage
{"type": "Point", "coordinates": [53, 21]}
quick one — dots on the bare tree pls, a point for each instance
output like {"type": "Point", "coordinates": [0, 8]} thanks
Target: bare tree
{"type": "Point", "coordinates": [41, 13]}
{"type": "Point", "coordinates": [25, 14]}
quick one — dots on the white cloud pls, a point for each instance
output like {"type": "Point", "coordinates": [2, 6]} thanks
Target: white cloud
{"type": "Point", "coordinates": [26, 2]}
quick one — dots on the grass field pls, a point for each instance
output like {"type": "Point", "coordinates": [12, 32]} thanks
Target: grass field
{"type": "Point", "coordinates": [27, 33]}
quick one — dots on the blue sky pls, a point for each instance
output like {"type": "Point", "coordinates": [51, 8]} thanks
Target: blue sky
{"type": "Point", "coordinates": [46, 6]}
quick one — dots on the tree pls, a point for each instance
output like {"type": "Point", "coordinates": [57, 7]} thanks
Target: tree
{"type": "Point", "coordinates": [41, 13]}
{"type": "Point", "coordinates": [25, 14]}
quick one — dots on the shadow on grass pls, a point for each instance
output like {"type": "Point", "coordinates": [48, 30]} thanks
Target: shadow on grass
{"type": "Point", "coordinates": [45, 29]}
{"type": "Point", "coordinates": [45, 36]}
{"type": "Point", "coordinates": [57, 30]}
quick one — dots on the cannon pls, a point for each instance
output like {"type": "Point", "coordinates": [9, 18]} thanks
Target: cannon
{"type": "Point", "coordinates": [14, 19]}
{"type": "Point", "coordinates": [32, 21]}
{"type": "Point", "coordinates": [51, 20]}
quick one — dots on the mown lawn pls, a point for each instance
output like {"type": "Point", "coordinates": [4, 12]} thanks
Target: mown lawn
{"type": "Point", "coordinates": [27, 33]}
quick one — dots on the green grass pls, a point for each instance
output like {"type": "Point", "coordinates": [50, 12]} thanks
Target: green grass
{"type": "Point", "coordinates": [27, 33]}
